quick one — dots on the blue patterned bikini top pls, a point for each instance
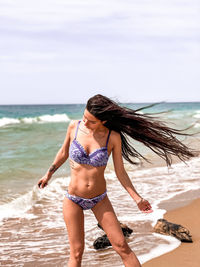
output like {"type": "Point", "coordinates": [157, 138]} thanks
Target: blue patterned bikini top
{"type": "Point", "coordinates": [99, 157]}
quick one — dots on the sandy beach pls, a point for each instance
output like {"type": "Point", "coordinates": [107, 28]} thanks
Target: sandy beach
{"type": "Point", "coordinates": [187, 254]}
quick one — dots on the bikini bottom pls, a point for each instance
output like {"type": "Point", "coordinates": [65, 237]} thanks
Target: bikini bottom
{"type": "Point", "coordinates": [86, 203]}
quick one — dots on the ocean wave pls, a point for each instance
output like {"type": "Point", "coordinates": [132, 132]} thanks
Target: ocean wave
{"type": "Point", "coordinates": [41, 119]}
{"type": "Point", "coordinates": [197, 114]}
{"type": "Point", "coordinates": [19, 207]}
{"type": "Point", "coordinates": [160, 249]}
{"type": "Point", "coordinates": [197, 125]}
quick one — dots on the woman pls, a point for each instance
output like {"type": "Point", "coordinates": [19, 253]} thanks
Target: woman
{"type": "Point", "coordinates": [104, 130]}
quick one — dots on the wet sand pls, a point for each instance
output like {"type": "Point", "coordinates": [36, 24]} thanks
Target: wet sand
{"type": "Point", "coordinates": [187, 254]}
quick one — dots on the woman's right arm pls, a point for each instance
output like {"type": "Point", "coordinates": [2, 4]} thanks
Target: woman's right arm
{"type": "Point", "coordinates": [60, 158]}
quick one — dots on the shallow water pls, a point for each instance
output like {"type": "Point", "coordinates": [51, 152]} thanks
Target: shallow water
{"type": "Point", "coordinates": [33, 229]}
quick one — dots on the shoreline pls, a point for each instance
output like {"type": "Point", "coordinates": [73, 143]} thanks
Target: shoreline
{"type": "Point", "coordinates": [187, 254]}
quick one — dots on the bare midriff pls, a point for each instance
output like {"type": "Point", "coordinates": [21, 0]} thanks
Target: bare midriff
{"type": "Point", "coordinates": [86, 181]}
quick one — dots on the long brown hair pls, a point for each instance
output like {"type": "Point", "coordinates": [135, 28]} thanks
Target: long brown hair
{"type": "Point", "coordinates": [144, 128]}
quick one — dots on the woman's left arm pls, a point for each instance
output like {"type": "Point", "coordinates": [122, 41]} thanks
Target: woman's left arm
{"type": "Point", "coordinates": [123, 177]}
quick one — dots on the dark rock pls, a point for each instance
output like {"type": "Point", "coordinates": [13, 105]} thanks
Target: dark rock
{"type": "Point", "coordinates": [167, 228]}
{"type": "Point", "coordinates": [103, 241]}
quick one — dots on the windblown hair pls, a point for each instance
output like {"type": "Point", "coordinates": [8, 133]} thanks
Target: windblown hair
{"type": "Point", "coordinates": [144, 128]}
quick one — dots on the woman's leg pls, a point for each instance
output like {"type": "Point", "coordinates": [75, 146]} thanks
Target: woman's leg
{"type": "Point", "coordinates": [74, 220]}
{"type": "Point", "coordinates": [105, 215]}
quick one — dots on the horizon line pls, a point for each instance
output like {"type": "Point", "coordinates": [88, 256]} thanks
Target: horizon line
{"type": "Point", "coordinates": [74, 103]}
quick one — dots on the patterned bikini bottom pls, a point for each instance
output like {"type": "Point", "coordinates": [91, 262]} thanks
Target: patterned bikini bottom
{"type": "Point", "coordinates": [86, 203]}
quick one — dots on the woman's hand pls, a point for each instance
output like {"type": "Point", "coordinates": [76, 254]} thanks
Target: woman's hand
{"type": "Point", "coordinates": [43, 181]}
{"type": "Point", "coordinates": [144, 206]}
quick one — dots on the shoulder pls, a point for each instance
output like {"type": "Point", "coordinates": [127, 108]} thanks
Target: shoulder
{"type": "Point", "coordinates": [115, 138]}
{"type": "Point", "coordinates": [115, 135]}
{"type": "Point", "coordinates": [116, 148]}
{"type": "Point", "coordinates": [72, 126]}
{"type": "Point", "coordinates": [70, 133]}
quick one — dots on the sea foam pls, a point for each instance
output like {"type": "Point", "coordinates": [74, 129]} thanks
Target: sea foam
{"type": "Point", "coordinates": [41, 119]}
{"type": "Point", "coordinates": [160, 249]}
{"type": "Point", "coordinates": [18, 207]}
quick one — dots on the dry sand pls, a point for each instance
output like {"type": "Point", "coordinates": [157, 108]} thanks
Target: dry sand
{"type": "Point", "coordinates": [187, 254]}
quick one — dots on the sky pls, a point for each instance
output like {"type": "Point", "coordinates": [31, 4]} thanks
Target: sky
{"type": "Point", "coordinates": [65, 51]}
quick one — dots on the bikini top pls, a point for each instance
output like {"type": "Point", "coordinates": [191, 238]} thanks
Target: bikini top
{"type": "Point", "coordinates": [99, 157]}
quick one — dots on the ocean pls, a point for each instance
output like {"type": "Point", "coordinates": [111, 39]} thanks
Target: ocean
{"type": "Point", "coordinates": [32, 229]}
